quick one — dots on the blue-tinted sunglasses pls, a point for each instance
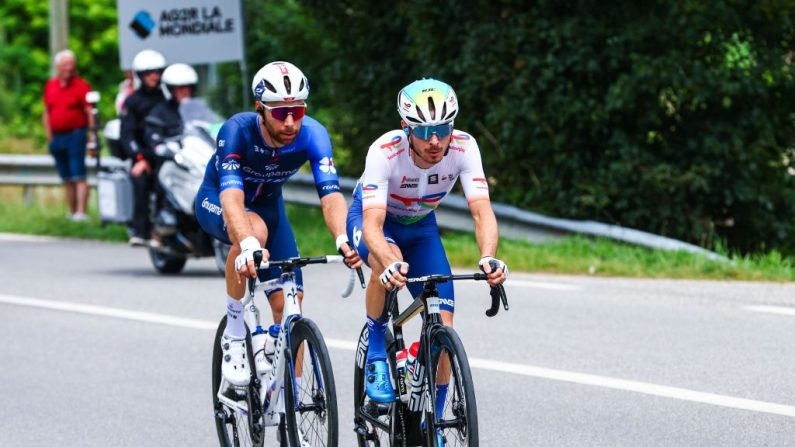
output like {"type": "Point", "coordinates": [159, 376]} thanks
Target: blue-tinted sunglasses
{"type": "Point", "coordinates": [426, 132]}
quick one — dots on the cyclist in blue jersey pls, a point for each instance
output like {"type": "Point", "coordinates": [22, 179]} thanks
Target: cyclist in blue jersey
{"type": "Point", "coordinates": [240, 201]}
{"type": "Point", "coordinates": [392, 221]}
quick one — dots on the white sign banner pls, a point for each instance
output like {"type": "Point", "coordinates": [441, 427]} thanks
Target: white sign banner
{"type": "Point", "coordinates": [188, 31]}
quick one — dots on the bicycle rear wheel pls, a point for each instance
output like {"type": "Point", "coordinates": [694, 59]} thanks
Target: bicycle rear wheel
{"type": "Point", "coordinates": [389, 417]}
{"type": "Point", "coordinates": [458, 420]}
{"type": "Point", "coordinates": [311, 411]}
{"type": "Point", "coordinates": [235, 427]}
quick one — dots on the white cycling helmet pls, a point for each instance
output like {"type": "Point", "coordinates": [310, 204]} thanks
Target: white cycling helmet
{"type": "Point", "coordinates": [148, 60]}
{"type": "Point", "coordinates": [179, 74]}
{"type": "Point", "coordinates": [427, 102]}
{"type": "Point", "coordinates": [280, 81]}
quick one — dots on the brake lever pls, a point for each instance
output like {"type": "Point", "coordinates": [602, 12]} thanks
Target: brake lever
{"type": "Point", "coordinates": [497, 295]}
{"type": "Point", "coordinates": [503, 296]}
{"type": "Point", "coordinates": [358, 269]}
{"type": "Point", "coordinates": [252, 282]}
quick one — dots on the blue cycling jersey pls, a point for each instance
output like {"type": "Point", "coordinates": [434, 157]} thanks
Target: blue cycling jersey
{"type": "Point", "coordinates": [244, 161]}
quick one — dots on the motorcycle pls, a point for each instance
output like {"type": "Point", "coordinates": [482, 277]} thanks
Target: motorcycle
{"type": "Point", "coordinates": [183, 160]}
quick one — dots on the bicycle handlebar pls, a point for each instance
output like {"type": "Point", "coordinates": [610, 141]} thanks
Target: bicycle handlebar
{"type": "Point", "coordinates": [294, 262]}
{"type": "Point", "coordinates": [497, 292]}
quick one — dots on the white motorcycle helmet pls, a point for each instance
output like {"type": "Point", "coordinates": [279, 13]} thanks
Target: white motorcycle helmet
{"type": "Point", "coordinates": [180, 74]}
{"type": "Point", "coordinates": [427, 102]}
{"type": "Point", "coordinates": [280, 81]}
{"type": "Point", "coordinates": [148, 60]}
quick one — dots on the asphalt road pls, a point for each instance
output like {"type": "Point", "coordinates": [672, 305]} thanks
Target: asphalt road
{"type": "Point", "coordinates": [100, 350]}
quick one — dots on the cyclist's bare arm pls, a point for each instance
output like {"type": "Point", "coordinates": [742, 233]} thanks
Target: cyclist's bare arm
{"type": "Point", "coordinates": [237, 223]}
{"type": "Point", "coordinates": [335, 210]}
{"type": "Point", "coordinates": [487, 234]}
{"type": "Point", "coordinates": [381, 253]}
{"type": "Point", "coordinates": [486, 231]}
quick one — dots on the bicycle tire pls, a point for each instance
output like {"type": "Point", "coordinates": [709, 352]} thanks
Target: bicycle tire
{"type": "Point", "coordinates": [393, 414]}
{"type": "Point", "coordinates": [315, 421]}
{"type": "Point", "coordinates": [233, 428]}
{"type": "Point", "coordinates": [459, 418]}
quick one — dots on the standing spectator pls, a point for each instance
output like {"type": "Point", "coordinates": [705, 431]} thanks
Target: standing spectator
{"type": "Point", "coordinates": [66, 118]}
{"type": "Point", "coordinates": [148, 66]}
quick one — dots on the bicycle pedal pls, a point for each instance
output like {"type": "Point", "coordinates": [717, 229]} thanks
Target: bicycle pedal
{"type": "Point", "coordinates": [360, 429]}
{"type": "Point", "coordinates": [233, 397]}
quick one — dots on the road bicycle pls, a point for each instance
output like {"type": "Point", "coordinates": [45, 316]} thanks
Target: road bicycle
{"type": "Point", "coordinates": [412, 420]}
{"type": "Point", "coordinates": [295, 390]}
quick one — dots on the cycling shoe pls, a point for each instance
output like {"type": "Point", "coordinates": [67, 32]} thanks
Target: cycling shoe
{"type": "Point", "coordinates": [234, 367]}
{"type": "Point", "coordinates": [377, 383]}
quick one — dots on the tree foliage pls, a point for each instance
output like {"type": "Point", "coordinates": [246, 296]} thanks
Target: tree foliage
{"type": "Point", "coordinates": [672, 117]}
{"type": "Point", "coordinates": [25, 61]}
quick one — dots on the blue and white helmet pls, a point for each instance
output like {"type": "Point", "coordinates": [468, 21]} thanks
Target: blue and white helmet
{"type": "Point", "coordinates": [427, 102]}
{"type": "Point", "coordinates": [280, 81]}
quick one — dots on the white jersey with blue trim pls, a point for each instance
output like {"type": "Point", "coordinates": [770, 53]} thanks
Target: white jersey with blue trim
{"type": "Point", "coordinates": [392, 181]}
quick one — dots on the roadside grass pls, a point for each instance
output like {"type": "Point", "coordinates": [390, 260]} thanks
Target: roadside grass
{"type": "Point", "coordinates": [573, 255]}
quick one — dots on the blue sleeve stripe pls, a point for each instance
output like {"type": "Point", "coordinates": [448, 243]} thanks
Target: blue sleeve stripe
{"type": "Point", "coordinates": [327, 187]}
{"type": "Point", "coordinates": [231, 182]}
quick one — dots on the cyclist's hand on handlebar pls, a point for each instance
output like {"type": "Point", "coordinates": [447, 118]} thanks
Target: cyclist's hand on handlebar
{"type": "Point", "coordinates": [496, 271]}
{"type": "Point", "coordinates": [344, 247]}
{"type": "Point", "coordinates": [394, 275]}
{"type": "Point", "coordinates": [244, 262]}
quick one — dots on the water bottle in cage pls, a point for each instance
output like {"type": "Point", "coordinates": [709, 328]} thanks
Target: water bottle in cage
{"type": "Point", "coordinates": [271, 339]}
{"type": "Point", "coordinates": [400, 360]}
{"type": "Point", "coordinates": [258, 340]}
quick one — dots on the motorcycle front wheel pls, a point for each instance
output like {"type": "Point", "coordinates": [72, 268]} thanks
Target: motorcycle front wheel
{"type": "Point", "coordinates": [166, 264]}
{"type": "Point", "coordinates": [220, 251]}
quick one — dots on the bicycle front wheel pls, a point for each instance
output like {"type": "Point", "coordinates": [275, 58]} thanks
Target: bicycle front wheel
{"type": "Point", "coordinates": [236, 425]}
{"type": "Point", "coordinates": [458, 421]}
{"type": "Point", "coordinates": [311, 411]}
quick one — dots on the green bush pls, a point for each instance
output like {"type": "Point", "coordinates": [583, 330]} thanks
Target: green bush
{"type": "Point", "coordinates": [672, 117]}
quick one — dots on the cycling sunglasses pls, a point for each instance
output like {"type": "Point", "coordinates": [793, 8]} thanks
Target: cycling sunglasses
{"type": "Point", "coordinates": [426, 132]}
{"type": "Point", "coordinates": [280, 113]}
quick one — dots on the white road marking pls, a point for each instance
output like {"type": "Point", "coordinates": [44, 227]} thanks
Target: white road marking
{"type": "Point", "coordinates": [635, 386]}
{"type": "Point", "coordinates": [542, 285]}
{"type": "Point", "coordinates": [109, 312]}
{"type": "Point", "coordinates": [18, 237]}
{"type": "Point", "coordinates": [772, 310]}
{"type": "Point", "coordinates": [491, 365]}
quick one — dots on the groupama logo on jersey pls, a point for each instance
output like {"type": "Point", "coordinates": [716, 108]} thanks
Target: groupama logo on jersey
{"type": "Point", "coordinates": [327, 165]}
{"type": "Point", "coordinates": [230, 163]}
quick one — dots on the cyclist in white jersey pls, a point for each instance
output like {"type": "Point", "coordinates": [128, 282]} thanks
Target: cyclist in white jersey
{"type": "Point", "coordinates": [392, 224]}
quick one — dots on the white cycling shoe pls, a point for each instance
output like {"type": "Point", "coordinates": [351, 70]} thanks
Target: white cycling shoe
{"type": "Point", "coordinates": [234, 364]}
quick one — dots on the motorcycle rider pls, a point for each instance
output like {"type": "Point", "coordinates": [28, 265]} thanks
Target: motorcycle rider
{"type": "Point", "coordinates": [165, 121]}
{"type": "Point", "coordinates": [148, 66]}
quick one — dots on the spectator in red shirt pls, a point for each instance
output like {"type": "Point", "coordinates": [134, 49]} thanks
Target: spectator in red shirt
{"type": "Point", "coordinates": [67, 119]}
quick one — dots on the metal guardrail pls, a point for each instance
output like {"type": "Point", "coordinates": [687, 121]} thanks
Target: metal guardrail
{"type": "Point", "coordinates": [452, 214]}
